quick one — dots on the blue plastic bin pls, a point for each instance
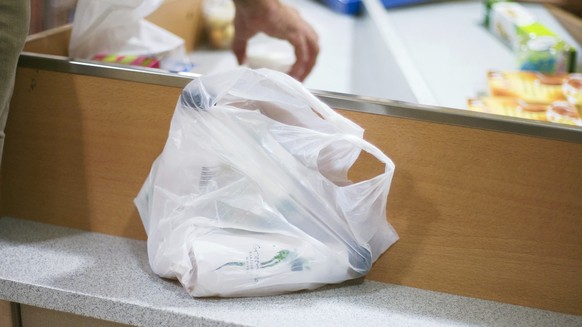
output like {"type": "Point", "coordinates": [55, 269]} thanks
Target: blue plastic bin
{"type": "Point", "coordinates": [349, 7]}
{"type": "Point", "coordinates": [401, 3]}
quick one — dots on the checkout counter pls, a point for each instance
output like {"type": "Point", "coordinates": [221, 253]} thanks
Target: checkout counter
{"type": "Point", "coordinates": [487, 209]}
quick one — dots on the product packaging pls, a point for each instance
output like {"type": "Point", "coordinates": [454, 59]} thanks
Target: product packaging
{"type": "Point", "coordinates": [537, 48]}
{"type": "Point", "coordinates": [532, 87]}
{"type": "Point", "coordinates": [264, 51]}
{"type": "Point", "coordinates": [557, 112]}
{"type": "Point", "coordinates": [133, 60]}
{"type": "Point", "coordinates": [219, 22]}
{"type": "Point", "coordinates": [532, 95]}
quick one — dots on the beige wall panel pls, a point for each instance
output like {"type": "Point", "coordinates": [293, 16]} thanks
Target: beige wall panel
{"type": "Point", "coordinates": [5, 314]}
{"type": "Point", "coordinates": [480, 213]}
{"type": "Point", "coordinates": [52, 42]}
{"type": "Point", "coordinates": [79, 148]}
{"type": "Point", "coordinates": [39, 317]}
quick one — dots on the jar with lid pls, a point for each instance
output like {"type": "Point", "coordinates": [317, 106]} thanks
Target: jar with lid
{"type": "Point", "coordinates": [219, 22]}
{"type": "Point", "coordinates": [542, 54]}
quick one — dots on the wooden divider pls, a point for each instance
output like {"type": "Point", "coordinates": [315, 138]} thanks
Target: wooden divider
{"type": "Point", "coordinates": [6, 319]}
{"type": "Point", "coordinates": [40, 317]}
{"type": "Point", "coordinates": [480, 213]}
{"type": "Point", "coordinates": [52, 42]}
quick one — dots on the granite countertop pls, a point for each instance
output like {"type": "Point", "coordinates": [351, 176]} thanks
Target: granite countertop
{"type": "Point", "coordinates": [109, 278]}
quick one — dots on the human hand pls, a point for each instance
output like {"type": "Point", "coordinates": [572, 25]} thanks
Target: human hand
{"type": "Point", "coordinates": [277, 20]}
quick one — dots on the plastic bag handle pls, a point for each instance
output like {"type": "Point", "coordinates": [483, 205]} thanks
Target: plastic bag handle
{"type": "Point", "coordinates": [371, 149]}
{"type": "Point", "coordinates": [318, 106]}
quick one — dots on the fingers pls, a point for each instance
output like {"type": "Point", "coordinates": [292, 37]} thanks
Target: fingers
{"type": "Point", "coordinates": [306, 46]}
{"type": "Point", "coordinates": [277, 20]}
{"type": "Point", "coordinates": [312, 53]}
{"type": "Point", "coordinates": [301, 54]}
{"type": "Point", "coordinates": [239, 47]}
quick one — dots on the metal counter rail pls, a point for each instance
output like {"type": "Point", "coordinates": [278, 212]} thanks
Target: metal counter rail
{"type": "Point", "coordinates": [336, 100]}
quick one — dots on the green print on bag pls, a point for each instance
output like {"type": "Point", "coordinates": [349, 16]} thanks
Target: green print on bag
{"type": "Point", "coordinates": [280, 256]}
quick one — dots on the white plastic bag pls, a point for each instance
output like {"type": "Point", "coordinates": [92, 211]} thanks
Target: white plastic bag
{"type": "Point", "coordinates": [250, 195]}
{"type": "Point", "coordinates": [119, 27]}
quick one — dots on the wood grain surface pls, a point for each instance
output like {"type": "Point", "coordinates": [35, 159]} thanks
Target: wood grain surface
{"type": "Point", "coordinates": [40, 317]}
{"type": "Point", "coordinates": [78, 149]}
{"type": "Point", "coordinates": [6, 314]}
{"type": "Point", "coordinates": [480, 213]}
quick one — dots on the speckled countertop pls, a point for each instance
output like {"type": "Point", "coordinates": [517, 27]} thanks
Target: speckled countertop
{"type": "Point", "coordinates": [109, 278]}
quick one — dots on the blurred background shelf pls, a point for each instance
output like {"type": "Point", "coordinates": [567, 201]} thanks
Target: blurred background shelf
{"type": "Point", "coordinates": [443, 49]}
{"type": "Point", "coordinates": [436, 53]}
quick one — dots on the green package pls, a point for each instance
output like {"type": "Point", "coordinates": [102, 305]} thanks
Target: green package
{"type": "Point", "coordinates": [536, 46]}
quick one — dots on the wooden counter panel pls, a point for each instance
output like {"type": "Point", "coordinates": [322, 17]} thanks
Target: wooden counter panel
{"type": "Point", "coordinates": [52, 42]}
{"type": "Point", "coordinates": [480, 213]}
{"type": "Point", "coordinates": [78, 149]}
{"type": "Point", "coordinates": [40, 317]}
{"type": "Point", "coordinates": [6, 319]}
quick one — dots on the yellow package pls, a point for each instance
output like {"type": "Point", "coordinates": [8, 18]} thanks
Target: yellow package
{"type": "Point", "coordinates": [559, 111]}
{"type": "Point", "coordinates": [508, 106]}
{"type": "Point", "coordinates": [531, 87]}
{"type": "Point", "coordinates": [572, 88]}
{"type": "Point", "coordinates": [564, 112]}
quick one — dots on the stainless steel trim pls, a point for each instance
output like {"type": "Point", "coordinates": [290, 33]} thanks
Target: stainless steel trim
{"type": "Point", "coordinates": [450, 116]}
{"type": "Point", "coordinates": [336, 100]}
{"type": "Point", "coordinates": [109, 70]}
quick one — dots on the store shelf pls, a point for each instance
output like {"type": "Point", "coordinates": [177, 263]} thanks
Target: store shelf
{"type": "Point", "coordinates": [443, 49]}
